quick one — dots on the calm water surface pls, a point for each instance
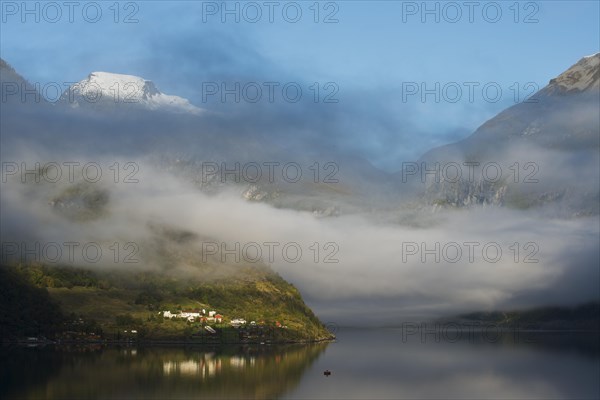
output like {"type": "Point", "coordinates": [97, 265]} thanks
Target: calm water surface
{"type": "Point", "coordinates": [369, 364]}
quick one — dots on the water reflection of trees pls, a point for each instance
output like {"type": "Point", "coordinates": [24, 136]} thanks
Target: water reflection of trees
{"type": "Point", "coordinates": [241, 371]}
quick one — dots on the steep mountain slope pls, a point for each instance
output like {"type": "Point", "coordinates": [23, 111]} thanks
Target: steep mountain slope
{"type": "Point", "coordinates": [547, 149]}
{"type": "Point", "coordinates": [563, 115]}
{"type": "Point", "coordinates": [8, 74]}
{"type": "Point", "coordinates": [111, 300]}
{"type": "Point", "coordinates": [25, 310]}
{"type": "Point", "coordinates": [583, 76]}
{"type": "Point", "coordinates": [16, 90]}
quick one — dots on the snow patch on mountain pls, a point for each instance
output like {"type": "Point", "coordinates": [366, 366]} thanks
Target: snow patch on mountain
{"type": "Point", "coordinates": [104, 88]}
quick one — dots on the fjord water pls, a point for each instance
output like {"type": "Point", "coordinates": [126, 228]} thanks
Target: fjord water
{"type": "Point", "coordinates": [365, 364]}
{"type": "Point", "coordinates": [404, 364]}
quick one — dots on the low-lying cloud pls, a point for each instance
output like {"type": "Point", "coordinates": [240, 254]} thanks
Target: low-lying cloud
{"type": "Point", "coordinates": [349, 265]}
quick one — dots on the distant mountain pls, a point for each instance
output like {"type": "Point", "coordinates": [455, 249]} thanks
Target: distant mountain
{"type": "Point", "coordinates": [100, 91]}
{"type": "Point", "coordinates": [554, 135]}
{"type": "Point", "coordinates": [15, 89]}
{"type": "Point", "coordinates": [552, 138]}
{"type": "Point", "coordinates": [563, 115]}
{"type": "Point", "coordinates": [330, 184]}
{"type": "Point", "coordinates": [581, 317]}
{"type": "Point", "coordinates": [104, 90]}
{"type": "Point", "coordinates": [8, 74]}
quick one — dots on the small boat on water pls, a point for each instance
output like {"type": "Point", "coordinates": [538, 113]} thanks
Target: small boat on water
{"type": "Point", "coordinates": [327, 372]}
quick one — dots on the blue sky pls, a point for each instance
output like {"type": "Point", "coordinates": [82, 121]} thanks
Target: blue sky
{"type": "Point", "coordinates": [373, 49]}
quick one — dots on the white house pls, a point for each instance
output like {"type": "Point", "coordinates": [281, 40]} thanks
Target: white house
{"type": "Point", "coordinates": [167, 314]}
{"type": "Point", "coordinates": [238, 321]}
{"type": "Point", "coordinates": [189, 315]}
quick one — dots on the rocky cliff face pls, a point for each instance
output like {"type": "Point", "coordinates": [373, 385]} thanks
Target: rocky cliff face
{"type": "Point", "coordinates": [546, 150]}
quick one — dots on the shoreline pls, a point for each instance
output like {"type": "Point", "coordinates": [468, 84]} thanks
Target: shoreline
{"type": "Point", "coordinates": [159, 342]}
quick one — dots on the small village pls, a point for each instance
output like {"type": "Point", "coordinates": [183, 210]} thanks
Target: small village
{"type": "Point", "coordinates": [207, 317]}
{"type": "Point", "coordinates": [80, 330]}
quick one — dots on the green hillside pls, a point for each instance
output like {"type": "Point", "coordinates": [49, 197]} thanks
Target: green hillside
{"type": "Point", "coordinates": [112, 303]}
{"type": "Point", "coordinates": [25, 310]}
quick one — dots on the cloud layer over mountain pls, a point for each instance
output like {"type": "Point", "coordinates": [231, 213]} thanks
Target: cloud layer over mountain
{"type": "Point", "coordinates": [397, 257]}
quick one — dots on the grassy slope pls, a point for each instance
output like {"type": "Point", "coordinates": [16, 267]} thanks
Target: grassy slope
{"type": "Point", "coordinates": [120, 300]}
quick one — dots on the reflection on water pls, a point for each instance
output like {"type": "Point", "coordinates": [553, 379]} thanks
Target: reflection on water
{"type": "Point", "coordinates": [229, 372]}
{"type": "Point", "coordinates": [365, 364]}
{"type": "Point", "coordinates": [385, 364]}
{"type": "Point", "coordinates": [207, 365]}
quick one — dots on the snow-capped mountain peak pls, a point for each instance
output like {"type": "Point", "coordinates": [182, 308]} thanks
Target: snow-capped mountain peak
{"type": "Point", "coordinates": [584, 75]}
{"type": "Point", "coordinates": [105, 89]}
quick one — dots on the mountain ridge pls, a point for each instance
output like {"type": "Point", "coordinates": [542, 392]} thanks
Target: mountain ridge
{"type": "Point", "coordinates": [581, 76]}
{"type": "Point", "coordinates": [556, 131]}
